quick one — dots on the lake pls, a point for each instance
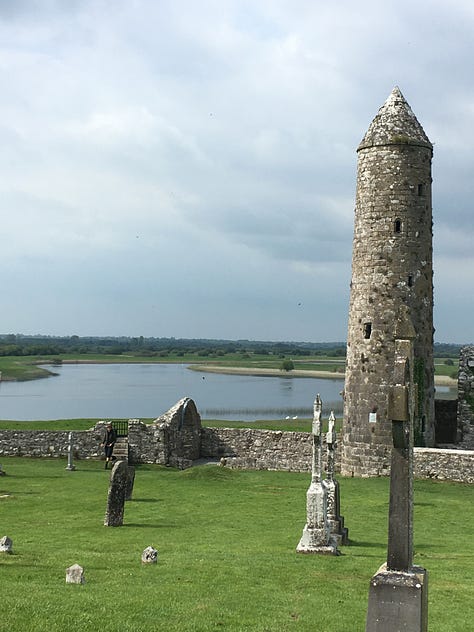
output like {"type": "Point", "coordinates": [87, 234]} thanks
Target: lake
{"type": "Point", "coordinates": [149, 390]}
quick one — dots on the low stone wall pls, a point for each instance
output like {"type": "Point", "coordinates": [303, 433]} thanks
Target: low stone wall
{"type": "Point", "coordinates": [39, 443]}
{"type": "Point", "coordinates": [292, 451]}
{"type": "Point", "coordinates": [169, 442]}
{"type": "Point", "coordinates": [444, 465]}
{"type": "Point", "coordinates": [259, 449]}
{"type": "Point", "coordinates": [172, 439]}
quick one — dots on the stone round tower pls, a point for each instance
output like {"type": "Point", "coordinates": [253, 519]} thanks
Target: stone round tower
{"type": "Point", "coordinates": [391, 267]}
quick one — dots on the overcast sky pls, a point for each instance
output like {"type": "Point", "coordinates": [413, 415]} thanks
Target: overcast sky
{"type": "Point", "coordinates": [188, 169]}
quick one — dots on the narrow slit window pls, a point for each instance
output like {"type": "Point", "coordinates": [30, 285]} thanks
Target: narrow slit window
{"type": "Point", "coordinates": [367, 330]}
{"type": "Point", "coordinates": [421, 189]}
{"type": "Point", "coordinates": [397, 227]}
{"type": "Point", "coordinates": [410, 280]}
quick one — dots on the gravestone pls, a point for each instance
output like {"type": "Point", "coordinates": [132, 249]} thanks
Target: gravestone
{"type": "Point", "coordinates": [316, 536]}
{"type": "Point", "coordinates": [70, 465]}
{"type": "Point", "coordinates": [150, 555]}
{"type": "Point", "coordinates": [6, 545]}
{"type": "Point", "coordinates": [336, 522]}
{"type": "Point", "coordinates": [75, 575]}
{"type": "Point", "coordinates": [398, 594]}
{"type": "Point", "coordinates": [130, 482]}
{"type": "Point", "coordinates": [116, 495]}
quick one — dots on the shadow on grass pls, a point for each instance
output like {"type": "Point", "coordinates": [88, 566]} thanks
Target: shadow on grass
{"type": "Point", "coordinates": [142, 525]}
{"type": "Point", "coordinates": [144, 500]}
{"type": "Point", "coordinates": [368, 545]}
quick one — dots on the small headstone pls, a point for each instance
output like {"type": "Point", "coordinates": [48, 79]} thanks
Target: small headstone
{"type": "Point", "coordinates": [6, 545]}
{"type": "Point", "coordinates": [150, 555]}
{"type": "Point", "coordinates": [130, 482]}
{"type": "Point", "coordinates": [2, 472]}
{"type": "Point", "coordinates": [75, 575]}
{"type": "Point", "coordinates": [116, 496]}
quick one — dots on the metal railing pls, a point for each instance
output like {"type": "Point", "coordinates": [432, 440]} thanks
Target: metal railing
{"type": "Point", "coordinates": [121, 426]}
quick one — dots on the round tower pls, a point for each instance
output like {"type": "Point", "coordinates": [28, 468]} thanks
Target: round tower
{"type": "Point", "coordinates": [391, 267]}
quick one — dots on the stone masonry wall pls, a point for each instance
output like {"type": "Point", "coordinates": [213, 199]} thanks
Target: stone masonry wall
{"type": "Point", "coordinates": [466, 397]}
{"type": "Point", "coordinates": [242, 448]}
{"type": "Point", "coordinates": [291, 451]}
{"type": "Point", "coordinates": [444, 465]}
{"type": "Point", "coordinates": [39, 443]}
{"type": "Point", "coordinates": [172, 439]}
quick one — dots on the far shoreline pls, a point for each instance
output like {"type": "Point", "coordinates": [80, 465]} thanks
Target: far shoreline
{"type": "Point", "coordinates": [440, 380]}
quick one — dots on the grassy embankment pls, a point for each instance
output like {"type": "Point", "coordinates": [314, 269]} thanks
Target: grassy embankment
{"type": "Point", "coordinates": [226, 541]}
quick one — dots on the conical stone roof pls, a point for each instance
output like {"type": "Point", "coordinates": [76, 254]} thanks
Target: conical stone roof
{"type": "Point", "coordinates": [395, 124]}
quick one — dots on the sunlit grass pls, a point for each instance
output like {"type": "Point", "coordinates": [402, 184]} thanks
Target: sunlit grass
{"type": "Point", "coordinates": [226, 541]}
{"type": "Point", "coordinates": [292, 425]}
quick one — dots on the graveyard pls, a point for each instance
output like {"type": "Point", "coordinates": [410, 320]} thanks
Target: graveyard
{"type": "Point", "coordinates": [226, 542]}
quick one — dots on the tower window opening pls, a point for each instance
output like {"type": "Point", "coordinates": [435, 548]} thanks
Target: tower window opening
{"type": "Point", "coordinates": [410, 280]}
{"type": "Point", "coordinates": [397, 227]}
{"type": "Point", "coordinates": [421, 189]}
{"type": "Point", "coordinates": [367, 330]}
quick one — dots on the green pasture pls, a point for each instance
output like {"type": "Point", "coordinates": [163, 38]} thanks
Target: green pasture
{"type": "Point", "coordinates": [296, 425]}
{"type": "Point", "coordinates": [26, 367]}
{"type": "Point", "coordinates": [226, 541]}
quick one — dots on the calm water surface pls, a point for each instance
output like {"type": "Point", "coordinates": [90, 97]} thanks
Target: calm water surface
{"type": "Point", "coordinates": [149, 390]}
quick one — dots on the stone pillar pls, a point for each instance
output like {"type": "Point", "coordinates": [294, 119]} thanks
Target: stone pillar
{"type": "Point", "coordinates": [316, 536]}
{"type": "Point", "coordinates": [398, 594]}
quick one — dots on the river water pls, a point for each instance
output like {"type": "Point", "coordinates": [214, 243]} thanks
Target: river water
{"type": "Point", "coordinates": [149, 390]}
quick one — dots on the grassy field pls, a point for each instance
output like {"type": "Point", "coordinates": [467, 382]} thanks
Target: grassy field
{"type": "Point", "coordinates": [297, 425]}
{"type": "Point", "coordinates": [26, 367]}
{"type": "Point", "coordinates": [226, 541]}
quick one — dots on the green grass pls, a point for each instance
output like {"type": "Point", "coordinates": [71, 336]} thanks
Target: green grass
{"type": "Point", "coordinates": [25, 367]}
{"type": "Point", "coordinates": [297, 425]}
{"type": "Point", "coordinates": [226, 541]}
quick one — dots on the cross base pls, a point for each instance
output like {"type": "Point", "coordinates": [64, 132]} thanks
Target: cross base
{"type": "Point", "coordinates": [316, 541]}
{"type": "Point", "coordinates": [398, 600]}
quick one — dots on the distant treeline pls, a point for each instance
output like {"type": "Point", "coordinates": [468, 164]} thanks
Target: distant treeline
{"type": "Point", "coordinates": [23, 345]}
{"type": "Point", "coordinates": [20, 345]}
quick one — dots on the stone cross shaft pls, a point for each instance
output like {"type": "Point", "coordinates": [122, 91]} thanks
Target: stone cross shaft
{"type": "Point", "coordinates": [331, 445]}
{"type": "Point", "coordinates": [317, 443]}
{"type": "Point", "coordinates": [401, 409]}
